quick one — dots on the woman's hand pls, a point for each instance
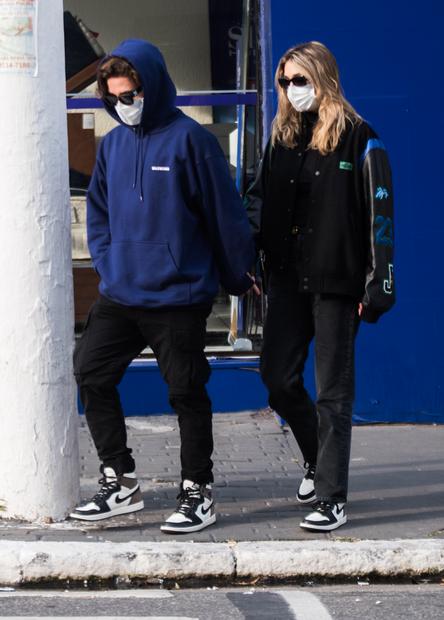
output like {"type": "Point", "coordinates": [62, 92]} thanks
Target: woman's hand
{"type": "Point", "coordinates": [360, 308]}
{"type": "Point", "coordinates": [255, 287]}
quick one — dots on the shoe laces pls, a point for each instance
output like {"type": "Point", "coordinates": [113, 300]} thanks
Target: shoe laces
{"type": "Point", "coordinates": [108, 486]}
{"type": "Point", "coordinates": [188, 500]}
{"type": "Point", "coordinates": [311, 470]}
{"type": "Point", "coordinates": [322, 507]}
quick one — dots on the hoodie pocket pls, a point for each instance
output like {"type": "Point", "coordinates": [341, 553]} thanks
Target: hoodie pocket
{"type": "Point", "coordinates": [139, 271]}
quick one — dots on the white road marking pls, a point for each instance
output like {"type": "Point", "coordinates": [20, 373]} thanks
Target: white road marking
{"type": "Point", "coordinates": [304, 605]}
{"type": "Point", "coordinates": [87, 594]}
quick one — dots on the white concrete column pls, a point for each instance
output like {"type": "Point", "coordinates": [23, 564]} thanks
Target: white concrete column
{"type": "Point", "coordinates": [39, 462]}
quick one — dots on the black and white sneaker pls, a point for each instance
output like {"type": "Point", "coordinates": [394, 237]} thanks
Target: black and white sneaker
{"type": "Point", "coordinates": [325, 517]}
{"type": "Point", "coordinates": [306, 492]}
{"type": "Point", "coordinates": [194, 512]}
{"type": "Point", "coordinates": [119, 495]}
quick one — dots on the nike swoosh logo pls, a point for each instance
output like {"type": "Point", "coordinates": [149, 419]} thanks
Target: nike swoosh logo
{"type": "Point", "coordinates": [204, 512]}
{"type": "Point", "coordinates": [119, 499]}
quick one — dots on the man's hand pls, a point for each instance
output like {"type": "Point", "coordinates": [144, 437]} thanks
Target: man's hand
{"type": "Point", "coordinates": [360, 308]}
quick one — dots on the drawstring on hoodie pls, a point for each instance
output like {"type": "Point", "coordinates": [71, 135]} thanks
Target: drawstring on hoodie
{"type": "Point", "coordinates": [137, 159]}
{"type": "Point", "coordinates": [140, 160]}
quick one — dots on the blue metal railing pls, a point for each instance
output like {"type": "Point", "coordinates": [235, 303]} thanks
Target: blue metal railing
{"type": "Point", "coordinates": [76, 102]}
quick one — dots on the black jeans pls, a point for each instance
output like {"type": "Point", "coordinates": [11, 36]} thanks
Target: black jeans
{"type": "Point", "coordinates": [114, 336]}
{"type": "Point", "coordinates": [323, 432]}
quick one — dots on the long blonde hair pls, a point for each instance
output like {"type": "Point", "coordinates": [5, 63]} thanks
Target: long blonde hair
{"type": "Point", "coordinates": [334, 110]}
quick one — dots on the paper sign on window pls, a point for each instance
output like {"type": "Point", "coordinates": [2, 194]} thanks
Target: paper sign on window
{"type": "Point", "coordinates": [18, 40]}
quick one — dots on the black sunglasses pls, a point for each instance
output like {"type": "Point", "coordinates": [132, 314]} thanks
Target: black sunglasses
{"type": "Point", "coordinates": [125, 98]}
{"type": "Point", "coordinates": [296, 80]}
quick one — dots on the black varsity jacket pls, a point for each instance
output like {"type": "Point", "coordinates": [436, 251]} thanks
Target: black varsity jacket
{"type": "Point", "coordinates": [348, 241]}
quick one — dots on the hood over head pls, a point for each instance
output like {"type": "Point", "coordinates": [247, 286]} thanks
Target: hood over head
{"type": "Point", "coordinates": [159, 91]}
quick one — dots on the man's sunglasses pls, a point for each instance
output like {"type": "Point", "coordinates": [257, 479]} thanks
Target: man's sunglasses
{"type": "Point", "coordinates": [297, 80]}
{"type": "Point", "coordinates": [125, 98]}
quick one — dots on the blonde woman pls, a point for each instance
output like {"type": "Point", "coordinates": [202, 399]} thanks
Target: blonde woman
{"type": "Point", "coordinates": [321, 210]}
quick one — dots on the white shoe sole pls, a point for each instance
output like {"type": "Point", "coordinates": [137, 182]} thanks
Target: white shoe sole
{"type": "Point", "coordinates": [122, 510]}
{"type": "Point", "coordinates": [170, 528]}
{"type": "Point", "coordinates": [323, 528]}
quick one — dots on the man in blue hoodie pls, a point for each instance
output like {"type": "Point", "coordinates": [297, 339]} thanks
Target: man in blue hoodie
{"type": "Point", "coordinates": [165, 228]}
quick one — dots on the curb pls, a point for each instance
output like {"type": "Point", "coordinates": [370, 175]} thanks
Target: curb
{"type": "Point", "coordinates": [334, 559]}
{"type": "Point", "coordinates": [30, 562]}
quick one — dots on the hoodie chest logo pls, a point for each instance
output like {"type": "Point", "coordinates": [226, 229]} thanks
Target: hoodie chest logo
{"type": "Point", "coordinates": [160, 168]}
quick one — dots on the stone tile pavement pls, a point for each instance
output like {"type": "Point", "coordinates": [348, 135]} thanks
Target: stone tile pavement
{"type": "Point", "coordinates": [396, 484]}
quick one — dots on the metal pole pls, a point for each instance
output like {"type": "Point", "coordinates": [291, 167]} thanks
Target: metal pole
{"type": "Point", "coordinates": [236, 335]}
{"type": "Point", "coordinates": [38, 421]}
{"type": "Point", "coordinates": [241, 82]}
{"type": "Point", "coordinates": [266, 91]}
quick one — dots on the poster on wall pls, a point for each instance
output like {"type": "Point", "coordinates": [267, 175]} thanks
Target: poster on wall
{"type": "Point", "coordinates": [18, 37]}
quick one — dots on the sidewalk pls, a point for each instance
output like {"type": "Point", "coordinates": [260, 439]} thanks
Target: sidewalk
{"type": "Point", "coordinates": [396, 494]}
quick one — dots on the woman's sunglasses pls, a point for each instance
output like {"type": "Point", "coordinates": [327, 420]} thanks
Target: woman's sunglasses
{"type": "Point", "coordinates": [125, 98]}
{"type": "Point", "coordinates": [297, 80]}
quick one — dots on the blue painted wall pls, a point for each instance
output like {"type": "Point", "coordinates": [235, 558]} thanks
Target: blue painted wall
{"type": "Point", "coordinates": [390, 56]}
{"type": "Point", "coordinates": [235, 385]}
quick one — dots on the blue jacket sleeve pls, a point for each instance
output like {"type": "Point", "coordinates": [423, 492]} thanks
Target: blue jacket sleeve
{"type": "Point", "coordinates": [226, 223]}
{"type": "Point", "coordinates": [97, 221]}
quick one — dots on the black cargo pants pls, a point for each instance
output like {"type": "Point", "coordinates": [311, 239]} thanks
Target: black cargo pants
{"type": "Point", "coordinates": [114, 336]}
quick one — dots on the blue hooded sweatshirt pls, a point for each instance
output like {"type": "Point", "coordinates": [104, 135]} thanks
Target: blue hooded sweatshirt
{"type": "Point", "coordinates": [165, 222]}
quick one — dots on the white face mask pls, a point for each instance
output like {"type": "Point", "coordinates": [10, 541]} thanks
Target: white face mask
{"type": "Point", "coordinates": [302, 98]}
{"type": "Point", "coordinates": [130, 114]}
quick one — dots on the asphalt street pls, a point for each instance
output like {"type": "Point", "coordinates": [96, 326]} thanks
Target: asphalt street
{"type": "Point", "coordinates": [353, 602]}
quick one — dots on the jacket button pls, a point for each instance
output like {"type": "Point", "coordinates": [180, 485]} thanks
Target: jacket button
{"type": "Point", "coordinates": [291, 180]}
{"type": "Point", "coordinates": [305, 287]}
{"type": "Point", "coordinates": [299, 154]}
{"type": "Point", "coordinates": [310, 230]}
{"type": "Point", "coordinates": [305, 279]}
{"type": "Point", "coordinates": [317, 173]}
